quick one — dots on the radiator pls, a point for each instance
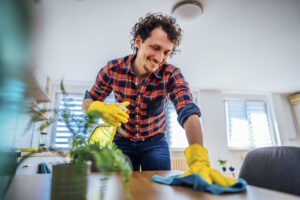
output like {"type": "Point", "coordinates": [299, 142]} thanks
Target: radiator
{"type": "Point", "coordinates": [179, 163]}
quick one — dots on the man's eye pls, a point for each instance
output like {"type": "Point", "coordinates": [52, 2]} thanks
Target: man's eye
{"type": "Point", "coordinates": [156, 48]}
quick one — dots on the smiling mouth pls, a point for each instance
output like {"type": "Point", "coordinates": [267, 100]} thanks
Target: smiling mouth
{"type": "Point", "coordinates": [153, 65]}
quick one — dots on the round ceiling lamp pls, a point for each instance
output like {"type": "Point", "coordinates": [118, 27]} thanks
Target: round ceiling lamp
{"type": "Point", "coordinates": [188, 9]}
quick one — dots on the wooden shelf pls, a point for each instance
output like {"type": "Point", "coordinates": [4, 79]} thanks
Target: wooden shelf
{"type": "Point", "coordinates": [37, 93]}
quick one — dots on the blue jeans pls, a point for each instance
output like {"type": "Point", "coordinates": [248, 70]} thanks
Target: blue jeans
{"type": "Point", "coordinates": [150, 155]}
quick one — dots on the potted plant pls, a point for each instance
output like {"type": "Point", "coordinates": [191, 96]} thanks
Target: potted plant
{"type": "Point", "coordinates": [69, 181]}
{"type": "Point", "coordinates": [222, 163]}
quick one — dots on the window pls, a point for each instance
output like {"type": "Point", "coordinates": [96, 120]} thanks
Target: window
{"type": "Point", "coordinates": [176, 134]}
{"type": "Point", "coordinates": [248, 124]}
{"type": "Point", "coordinates": [61, 132]}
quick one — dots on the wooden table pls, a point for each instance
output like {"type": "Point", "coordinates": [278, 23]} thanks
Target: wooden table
{"type": "Point", "coordinates": [38, 187]}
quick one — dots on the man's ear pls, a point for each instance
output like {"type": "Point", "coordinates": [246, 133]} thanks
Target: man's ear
{"type": "Point", "coordinates": [138, 41]}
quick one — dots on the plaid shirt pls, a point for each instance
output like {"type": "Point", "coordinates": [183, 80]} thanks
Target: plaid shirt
{"type": "Point", "coordinates": [148, 99]}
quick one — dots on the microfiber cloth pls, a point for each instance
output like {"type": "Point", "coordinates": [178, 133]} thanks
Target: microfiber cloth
{"type": "Point", "coordinates": [199, 184]}
{"type": "Point", "coordinates": [43, 168]}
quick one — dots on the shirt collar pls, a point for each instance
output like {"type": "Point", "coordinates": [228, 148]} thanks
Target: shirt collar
{"type": "Point", "coordinates": [158, 72]}
{"type": "Point", "coordinates": [128, 65]}
{"type": "Point", "coordinates": [128, 62]}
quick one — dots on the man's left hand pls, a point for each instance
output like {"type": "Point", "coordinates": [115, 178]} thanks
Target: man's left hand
{"type": "Point", "coordinates": [198, 162]}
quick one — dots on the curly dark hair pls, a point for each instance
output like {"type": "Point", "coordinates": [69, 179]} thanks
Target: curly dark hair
{"type": "Point", "coordinates": [145, 25]}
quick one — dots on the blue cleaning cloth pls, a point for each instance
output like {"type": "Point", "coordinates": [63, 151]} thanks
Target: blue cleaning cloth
{"type": "Point", "coordinates": [199, 184]}
{"type": "Point", "coordinates": [43, 168]}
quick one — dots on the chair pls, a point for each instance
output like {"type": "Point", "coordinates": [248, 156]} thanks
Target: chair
{"type": "Point", "coordinates": [276, 168]}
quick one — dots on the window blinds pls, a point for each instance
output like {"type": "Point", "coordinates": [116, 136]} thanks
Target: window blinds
{"type": "Point", "coordinates": [63, 135]}
{"type": "Point", "coordinates": [176, 134]}
{"type": "Point", "coordinates": [248, 124]}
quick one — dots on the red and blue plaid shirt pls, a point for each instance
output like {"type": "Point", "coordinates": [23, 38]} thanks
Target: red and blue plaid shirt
{"type": "Point", "coordinates": [148, 99]}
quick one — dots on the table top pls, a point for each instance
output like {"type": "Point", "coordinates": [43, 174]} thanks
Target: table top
{"type": "Point", "coordinates": [141, 186]}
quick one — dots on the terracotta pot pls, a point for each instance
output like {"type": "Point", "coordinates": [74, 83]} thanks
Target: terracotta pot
{"type": "Point", "coordinates": [69, 181]}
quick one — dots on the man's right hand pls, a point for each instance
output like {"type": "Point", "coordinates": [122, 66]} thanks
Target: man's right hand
{"type": "Point", "coordinates": [112, 113]}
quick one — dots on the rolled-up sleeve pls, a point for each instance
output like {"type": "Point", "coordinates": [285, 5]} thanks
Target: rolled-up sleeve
{"type": "Point", "coordinates": [181, 97]}
{"type": "Point", "coordinates": [102, 86]}
{"type": "Point", "coordinates": [186, 111]}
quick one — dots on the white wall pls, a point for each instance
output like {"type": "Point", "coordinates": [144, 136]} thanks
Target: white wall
{"type": "Point", "coordinates": [250, 38]}
{"type": "Point", "coordinates": [25, 138]}
{"type": "Point", "coordinates": [214, 126]}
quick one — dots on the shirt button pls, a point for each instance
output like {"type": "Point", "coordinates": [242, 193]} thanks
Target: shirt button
{"type": "Point", "coordinates": [136, 126]}
{"type": "Point", "coordinates": [139, 96]}
{"type": "Point", "coordinates": [137, 108]}
{"type": "Point", "coordinates": [136, 83]}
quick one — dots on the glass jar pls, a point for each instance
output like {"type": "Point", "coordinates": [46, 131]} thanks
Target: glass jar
{"type": "Point", "coordinates": [43, 141]}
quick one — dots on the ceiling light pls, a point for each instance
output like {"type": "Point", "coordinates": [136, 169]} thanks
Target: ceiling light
{"type": "Point", "coordinates": [188, 9]}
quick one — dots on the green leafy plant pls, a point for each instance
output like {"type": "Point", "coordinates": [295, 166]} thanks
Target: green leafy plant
{"type": "Point", "coordinates": [222, 162]}
{"type": "Point", "coordinates": [107, 159]}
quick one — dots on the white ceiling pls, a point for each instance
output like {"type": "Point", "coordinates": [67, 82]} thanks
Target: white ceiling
{"type": "Point", "coordinates": [241, 45]}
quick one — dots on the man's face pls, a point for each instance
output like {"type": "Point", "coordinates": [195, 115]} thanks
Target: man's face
{"type": "Point", "coordinates": [154, 51]}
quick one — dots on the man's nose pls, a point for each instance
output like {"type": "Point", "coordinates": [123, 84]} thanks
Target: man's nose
{"type": "Point", "coordinates": [158, 58]}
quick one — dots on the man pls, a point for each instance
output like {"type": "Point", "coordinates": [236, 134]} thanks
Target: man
{"type": "Point", "coordinates": [145, 82]}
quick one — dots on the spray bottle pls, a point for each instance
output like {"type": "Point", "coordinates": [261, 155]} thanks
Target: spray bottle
{"type": "Point", "coordinates": [104, 133]}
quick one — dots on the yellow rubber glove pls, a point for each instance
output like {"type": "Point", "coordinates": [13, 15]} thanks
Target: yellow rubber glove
{"type": "Point", "coordinates": [198, 162]}
{"type": "Point", "coordinates": [112, 113]}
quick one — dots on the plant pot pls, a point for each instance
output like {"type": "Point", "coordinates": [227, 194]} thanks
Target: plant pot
{"type": "Point", "coordinates": [69, 181]}
{"type": "Point", "coordinates": [224, 169]}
